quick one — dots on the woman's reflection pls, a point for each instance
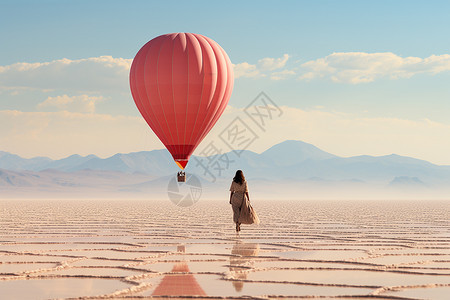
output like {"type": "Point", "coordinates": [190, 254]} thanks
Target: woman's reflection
{"type": "Point", "coordinates": [244, 258]}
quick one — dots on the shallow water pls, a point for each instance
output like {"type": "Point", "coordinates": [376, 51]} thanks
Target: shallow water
{"type": "Point", "coordinates": [120, 249]}
{"type": "Point", "coordinates": [44, 288]}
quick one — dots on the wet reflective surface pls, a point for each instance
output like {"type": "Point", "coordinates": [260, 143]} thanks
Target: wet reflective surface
{"type": "Point", "coordinates": [139, 249]}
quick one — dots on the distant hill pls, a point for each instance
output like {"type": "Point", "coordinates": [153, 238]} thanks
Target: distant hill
{"type": "Point", "coordinates": [290, 167]}
{"type": "Point", "coordinates": [292, 152]}
{"type": "Point", "coordinates": [407, 182]}
{"type": "Point", "coordinates": [14, 162]}
{"type": "Point", "coordinates": [68, 163]}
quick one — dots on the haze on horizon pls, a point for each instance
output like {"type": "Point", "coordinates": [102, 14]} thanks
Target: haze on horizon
{"type": "Point", "coordinates": [351, 78]}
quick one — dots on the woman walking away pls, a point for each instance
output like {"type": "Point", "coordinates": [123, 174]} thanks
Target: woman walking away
{"type": "Point", "coordinates": [240, 202]}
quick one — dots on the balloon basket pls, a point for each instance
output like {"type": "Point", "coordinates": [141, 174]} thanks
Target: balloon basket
{"type": "Point", "coordinates": [181, 177]}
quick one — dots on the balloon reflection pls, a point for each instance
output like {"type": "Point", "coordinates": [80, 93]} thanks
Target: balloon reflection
{"type": "Point", "coordinates": [238, 264]}
{"type": "Point", "coordinates": [179, 284]}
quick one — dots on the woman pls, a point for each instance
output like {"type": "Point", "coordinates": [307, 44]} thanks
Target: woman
{"type": "Point", "coordinates": [238, 192]}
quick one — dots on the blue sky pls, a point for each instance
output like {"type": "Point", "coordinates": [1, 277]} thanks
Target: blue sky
{"type": "Point", "coordinates": [365, 77]}
{"type": "Point", "coordinates": [45, 30]}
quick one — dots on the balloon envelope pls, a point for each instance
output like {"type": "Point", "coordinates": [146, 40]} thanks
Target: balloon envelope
{"type": "Point", "coordinates": [181, 84]}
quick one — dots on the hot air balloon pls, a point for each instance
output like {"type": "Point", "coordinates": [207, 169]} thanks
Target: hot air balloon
{"type": "Point", "coordinates": [181, 84]}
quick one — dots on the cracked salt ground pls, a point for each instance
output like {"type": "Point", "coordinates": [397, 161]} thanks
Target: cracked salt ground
{"type": "Point", "coordinates": [133, 249]}
{"type": "Point", "coordinates": [424, 293]}
{"type": "Point", "coordinates": [358, 277]}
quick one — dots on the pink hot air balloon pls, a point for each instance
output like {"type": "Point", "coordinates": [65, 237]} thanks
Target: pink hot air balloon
{"type": "Point", "coordinates": [181, 84]}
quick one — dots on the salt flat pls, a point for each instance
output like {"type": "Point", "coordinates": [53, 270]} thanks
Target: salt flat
{"type": "Point", "coordinates": [151, 249]}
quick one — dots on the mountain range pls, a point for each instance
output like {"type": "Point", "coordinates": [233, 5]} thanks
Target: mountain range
{"type": "Point", "coordinates": [290, 169]}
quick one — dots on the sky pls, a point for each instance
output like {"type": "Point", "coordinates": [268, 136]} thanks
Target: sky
{"type": "Point", "coordinates": [350, 77]}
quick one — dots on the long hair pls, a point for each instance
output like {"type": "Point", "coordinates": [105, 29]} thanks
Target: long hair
{"type": "Point", "coordinates": [239, 177]}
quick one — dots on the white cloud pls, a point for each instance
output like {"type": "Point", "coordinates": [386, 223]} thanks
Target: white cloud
{"type": "Point", "coordinates": [83, 75]}
{"type": "Point", "coordinates": [106, 74]}
{"type": "Point", "coordinates": [246, 70]}
{"type": "Point", "coordinates": [271, 64]}
{"type": "Point", "coordinates": [360, 67]}
{"type": "Point", "coordinates": [346, 67]}
{"type": "Point", "coordinates": [263, 68]}
{"type": "Point", "coordinates": [82, 103]}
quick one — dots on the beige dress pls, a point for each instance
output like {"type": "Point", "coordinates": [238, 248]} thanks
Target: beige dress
{"type": "Point", "coordinates": [238, 198]}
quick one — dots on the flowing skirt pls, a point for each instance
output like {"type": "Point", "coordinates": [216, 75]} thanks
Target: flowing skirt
{"type": "Point", "coordinates": [243, 211]}
{"type": "Point", "coordinates": [248, 214]}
